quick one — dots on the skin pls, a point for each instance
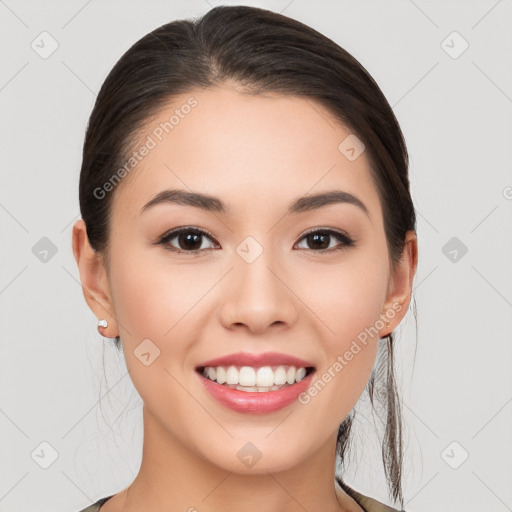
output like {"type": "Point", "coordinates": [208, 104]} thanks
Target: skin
{"type": "Point", "coordinates": [257, 154]}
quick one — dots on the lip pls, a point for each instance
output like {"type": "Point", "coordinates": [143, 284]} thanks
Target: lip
{"type": "Point", "coordinates": [257, 360]}
{"type": "Point", "coordinates": [253, 402]}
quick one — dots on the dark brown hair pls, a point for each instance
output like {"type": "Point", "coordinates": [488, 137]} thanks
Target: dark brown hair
{"type": "Point", "coordinates": [260, 51]}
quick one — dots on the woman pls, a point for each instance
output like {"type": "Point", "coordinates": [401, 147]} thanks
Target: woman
{"type": "Point", "coordinates": [248, 240]}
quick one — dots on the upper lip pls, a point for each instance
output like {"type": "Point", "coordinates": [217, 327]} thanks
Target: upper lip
{"type": "Point", "coordinates": [256, 360]}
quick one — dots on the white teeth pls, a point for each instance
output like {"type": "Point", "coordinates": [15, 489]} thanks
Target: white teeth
{"type": "Point", "coordinates": [280, 376]}
{"type": "Point", "coordinates": [301, 373]}
{"type": "Point", "coordinates": [265, 377]}
{"type": "Point", "coordinates": [247, 388]}
{"type": "Point", "coordinates": [232, 375]}
{"type": "Point", "coordinates": [221, 375]}
{"type": "Point", "coordinates": [257, 389]}
{"type": "Point", "coordinates": [247, 378]}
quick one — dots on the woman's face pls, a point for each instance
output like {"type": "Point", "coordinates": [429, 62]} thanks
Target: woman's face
{"type": "Point", "coordinates": [257, 283]}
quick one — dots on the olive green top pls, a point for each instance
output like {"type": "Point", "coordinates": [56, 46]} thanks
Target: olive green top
{"type": "Point", "coordinates": [365, 502]}
{"type": "Point", "coordinates": [96, 506]}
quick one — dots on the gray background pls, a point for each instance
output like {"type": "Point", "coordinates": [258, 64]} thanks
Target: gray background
{"type": "Point", "coordinates": [455, 111]}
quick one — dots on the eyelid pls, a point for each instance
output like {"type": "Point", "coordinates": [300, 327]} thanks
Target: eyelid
{"type": "Point", "coordinates": [337, 231]}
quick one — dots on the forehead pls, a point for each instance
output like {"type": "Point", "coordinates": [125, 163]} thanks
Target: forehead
{"type": "Point", "coordinates": [247, 149]}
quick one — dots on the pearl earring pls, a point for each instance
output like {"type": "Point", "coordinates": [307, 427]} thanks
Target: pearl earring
{"type": "Point", "coordinates": [102, 323]}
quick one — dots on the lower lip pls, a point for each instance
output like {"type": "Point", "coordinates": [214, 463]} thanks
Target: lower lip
{"type": "Point", "coordinates": [254, 402]}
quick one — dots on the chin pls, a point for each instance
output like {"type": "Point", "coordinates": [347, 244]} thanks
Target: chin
{"type": "Point", "coordinates": [256, 457]}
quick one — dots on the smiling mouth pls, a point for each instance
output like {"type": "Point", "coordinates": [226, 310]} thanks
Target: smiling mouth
{"type": "Point", "coordinates": [255, 379]}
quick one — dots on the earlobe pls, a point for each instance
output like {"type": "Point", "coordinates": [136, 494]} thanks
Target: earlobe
{"type": "Point", "coordinates": [93, 278]}
{"type": "Point", "coordinates": [397, 302]}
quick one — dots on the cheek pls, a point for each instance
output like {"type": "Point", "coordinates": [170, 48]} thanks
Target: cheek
{"type": "Point", "coordinates": [349, 357]}
{"type": "Point", "coordinates": [348, 298]}
{"type": "Point", "coordinates": [153, 302]}
{"type": "Point", "coordinates": [150, 301]}
{"type": "Point", "coordinates": [150, 304]}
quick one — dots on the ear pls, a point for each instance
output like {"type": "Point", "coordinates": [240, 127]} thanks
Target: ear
{"type": "Point", "coordinates": [400, 285]}
{"type": "Point", "coordinates": [93, 277]}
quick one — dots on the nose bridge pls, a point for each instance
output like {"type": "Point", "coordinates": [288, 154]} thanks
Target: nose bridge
{"type": "Point", "coordinates": [257, 296]}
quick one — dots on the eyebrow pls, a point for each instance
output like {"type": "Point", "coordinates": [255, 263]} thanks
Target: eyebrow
{"type": "Point", "coordinates": [213, 204]}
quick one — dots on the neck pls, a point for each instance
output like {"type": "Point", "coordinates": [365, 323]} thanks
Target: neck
{"type": "Point", "coordinates": [172, 478]}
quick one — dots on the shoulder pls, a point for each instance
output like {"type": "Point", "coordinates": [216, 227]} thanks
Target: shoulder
{"type": "Point", "coordinates": [95, 507]}
{"type": "Point", "coordinates": [367, 503]}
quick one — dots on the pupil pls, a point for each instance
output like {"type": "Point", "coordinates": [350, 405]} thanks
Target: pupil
{"type": "Point", "coordinates": [316, 237]}
{"type": "Point", "coordinates": [188, 237]}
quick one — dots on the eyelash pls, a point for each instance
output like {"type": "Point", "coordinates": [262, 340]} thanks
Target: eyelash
{"type": "Point", "coordinates": [346, 240]}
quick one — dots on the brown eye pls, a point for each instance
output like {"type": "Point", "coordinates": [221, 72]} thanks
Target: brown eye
{"type": "Point", "coordinates": [187, 240]}
{"type": "Point", "coordinates": [320, 240]}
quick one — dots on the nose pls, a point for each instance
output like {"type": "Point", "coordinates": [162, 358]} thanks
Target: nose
{"type": "Point", "coordinates": [258, 296]}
